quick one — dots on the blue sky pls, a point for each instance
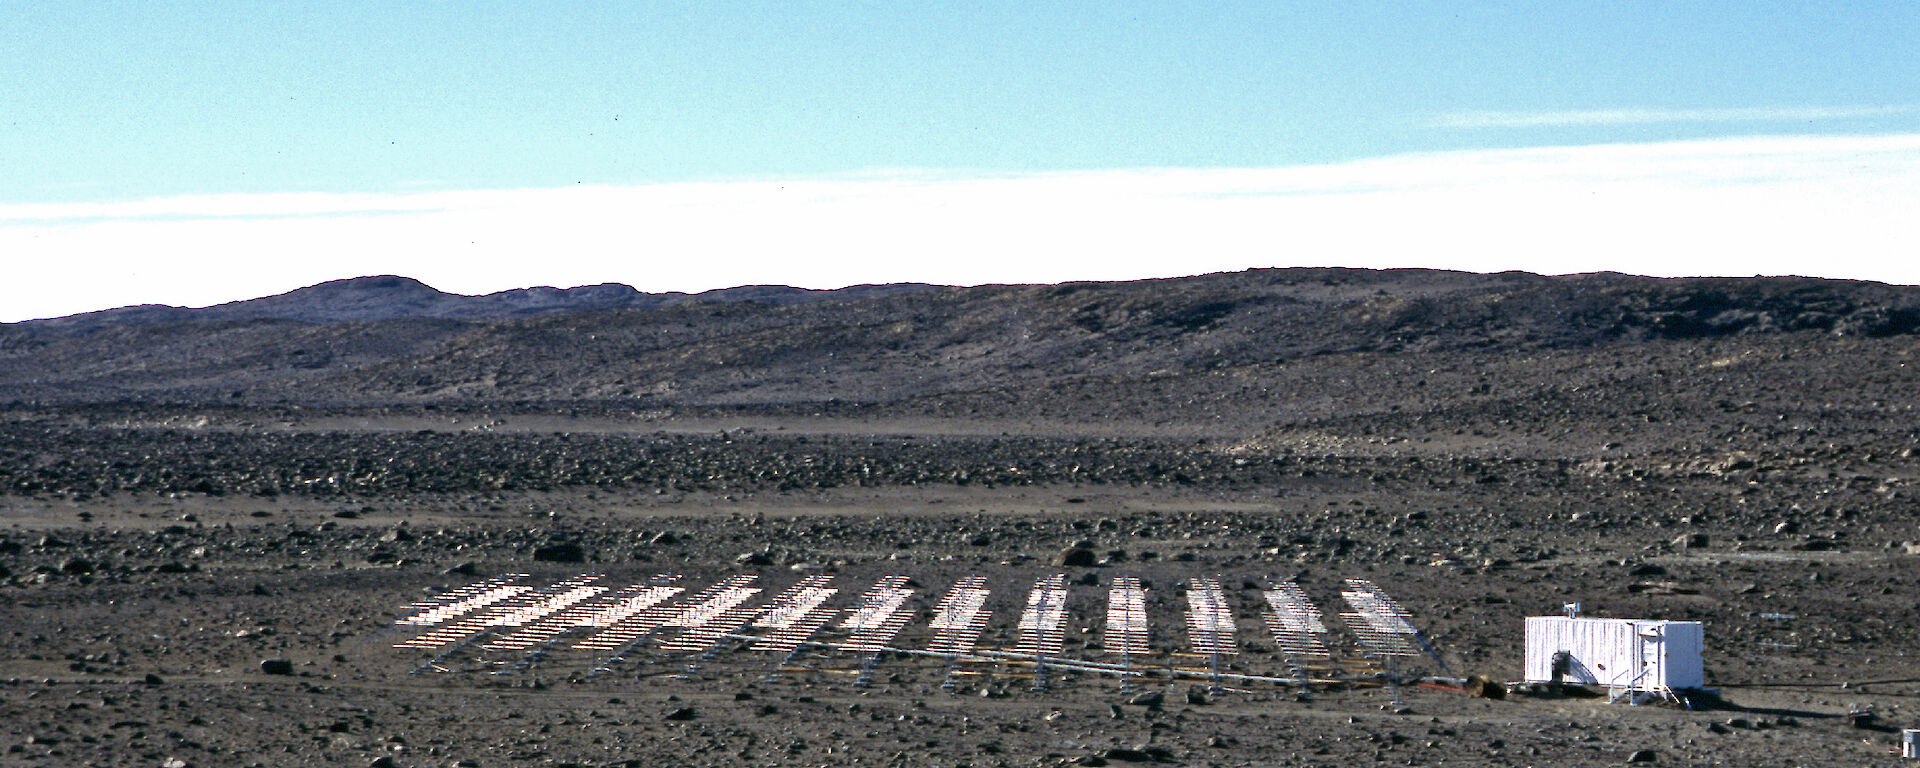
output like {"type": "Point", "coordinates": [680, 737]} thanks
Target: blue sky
{"type": "Point", "coordinates": [191, 153]}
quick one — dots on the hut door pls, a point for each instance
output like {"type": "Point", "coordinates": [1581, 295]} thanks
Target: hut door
{"type": "Point", "coordinates": [1652, 652]}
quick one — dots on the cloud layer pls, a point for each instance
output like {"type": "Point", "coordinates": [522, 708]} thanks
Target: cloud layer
{"type": "Point", "coordinates": [1619, 117]}
{"type": "Point", "coordinates": [1831, 206]}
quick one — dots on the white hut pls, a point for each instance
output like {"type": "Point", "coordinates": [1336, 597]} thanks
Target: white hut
{"type": "Point", "coordinates": [1624, 655]}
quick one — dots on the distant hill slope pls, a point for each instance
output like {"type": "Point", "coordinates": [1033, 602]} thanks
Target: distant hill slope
{"type": "Point", "coordinates": [1071, 349]}
{"type": "Point", "coordinates": [389, 297]}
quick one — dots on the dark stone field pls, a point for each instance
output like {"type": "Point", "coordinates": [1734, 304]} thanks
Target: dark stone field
{"type": "Point", "coordinates": [210, 520]}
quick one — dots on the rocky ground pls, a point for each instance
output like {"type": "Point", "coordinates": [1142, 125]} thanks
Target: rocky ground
{"type": "Point", "coordinates": [139, 620]}
{"type": "Point", "coordinates": [1740, 455]}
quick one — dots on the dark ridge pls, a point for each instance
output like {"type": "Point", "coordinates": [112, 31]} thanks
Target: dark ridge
{"type": "Point", "coordinates": [390, 297]}
{"type": "Point", "coordinates": [393, 339]}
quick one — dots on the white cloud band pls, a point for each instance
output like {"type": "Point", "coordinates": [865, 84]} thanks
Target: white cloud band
{"type": "Point", "coordinates": [1834, 206]}
{"type": "Point", "coordinates": [1618, 117]}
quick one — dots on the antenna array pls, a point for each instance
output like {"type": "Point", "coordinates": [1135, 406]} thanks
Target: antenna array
{"type": "Point", "coordinates": [958, 622]}
{"type": "Point", "coordinates": [709, 623]}
{"type": "Point", "coordinates": [1126, 632]}
{"type": "Point", "coordinates": [876, 621]}
{"type": "Point", "coordinates": [1126, 617]}
{"type": "Point", "coordinates": [1377, 620]}
{"type": "Point", "coordinates": [1296, 623]}
{"type": "Point", "coordinates": [455, 602]}
{"type": "Point", "coordinates": [794, 615]}
{"type": "Point", "coordinates": [513, 610]}
{"type": "Point", "coordinates": [1043, 626]}
{"type": "Point", "coordinates": [1210, 623]}
{"type": "Point", "coordinates": [507, 618]}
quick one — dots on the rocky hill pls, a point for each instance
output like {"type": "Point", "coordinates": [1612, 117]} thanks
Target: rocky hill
{"type": "Point", "coordinates": [389, 297]}
{"type": "Point", "coordinates": [395, 340]}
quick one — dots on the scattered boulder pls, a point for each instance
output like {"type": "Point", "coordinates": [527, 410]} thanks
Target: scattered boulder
{"type": "Point", "coordinates": [1077, 557]}
{"type": "Point", "coordinates": [566, 552]}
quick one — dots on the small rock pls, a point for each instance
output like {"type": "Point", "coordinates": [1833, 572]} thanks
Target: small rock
{"type": "Point", "coordinates": [382, 761]}
{"type": "Point", "coordinates": [1077, 557]}
{"type": "Point", "coordinates": [1197, 696]}
{"type": "Point", "coordinates": [276, 667]}
{"type": "Point", "coordinates": [561, 553]}
{"type": "Point", "coordinates": [1148, 699]}
{"type": "Point", "coordinates": [664, 538]}
{"type": "Point", "coordinates": [153, 679]}
{"type": "Point", "coordinates": [753, 558]}
{"type": "Point", "coordinates": [682, 714]}
{"type": "Point", "coordinates": [1643, 756]}
{"type": "Point", "coordinates": [467, 568]}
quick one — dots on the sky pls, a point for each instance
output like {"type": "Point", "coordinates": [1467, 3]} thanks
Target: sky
{"type": "Point", "coordinates": [194, 153]}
